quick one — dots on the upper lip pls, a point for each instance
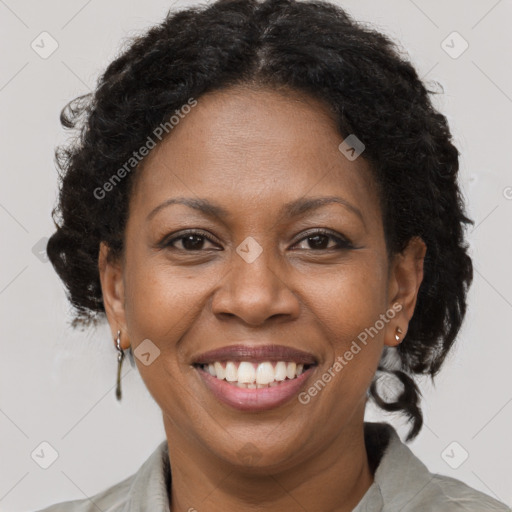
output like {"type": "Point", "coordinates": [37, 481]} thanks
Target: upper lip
{"type": "Point", "coordinates": [256, 354]}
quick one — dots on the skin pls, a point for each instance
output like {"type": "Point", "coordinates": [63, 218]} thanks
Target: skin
{"type": "Point", "coordinates": [251, 151]}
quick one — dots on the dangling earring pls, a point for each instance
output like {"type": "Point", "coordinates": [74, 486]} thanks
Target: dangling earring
{"type": "Point", "coordinates": [120, 357]}
{"type": "Point", "coordinates": [399, 331]}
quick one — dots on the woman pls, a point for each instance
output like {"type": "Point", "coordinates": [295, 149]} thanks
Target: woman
{"type": "Point", "coordinates": [264, 204]}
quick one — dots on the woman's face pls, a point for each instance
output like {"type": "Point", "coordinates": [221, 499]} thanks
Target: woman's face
{"type": "Point", "coordinates": [250, 276]}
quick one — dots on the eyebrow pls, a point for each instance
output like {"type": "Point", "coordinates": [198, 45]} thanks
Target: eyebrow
{"type": "Point", "coordinates": [292, 209]}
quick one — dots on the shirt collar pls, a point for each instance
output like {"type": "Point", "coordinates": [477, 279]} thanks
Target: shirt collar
{"type": "Point", "coordinates": [148, 490]}
{"type": "Point", "coordinates": [398, 478]}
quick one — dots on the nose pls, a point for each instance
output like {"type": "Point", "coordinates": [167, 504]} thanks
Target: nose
{"type": "Point", "coordinates": [256, 291]}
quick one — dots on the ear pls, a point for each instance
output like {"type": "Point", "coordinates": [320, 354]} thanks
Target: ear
{"type": "Point", "coordinates": [405, 277]}
{"type": "Point", "coordinates": [112, 286]}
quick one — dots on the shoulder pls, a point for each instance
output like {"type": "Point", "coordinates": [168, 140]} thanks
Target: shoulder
{"type": "Point", "coordinates": [449, 494]}
{"type": "Point", "coordinates": [112, 499]}
{"type": "Point", "coordinates": [402, 482]}
{"type": "Point", "coordinates": [148, 487]}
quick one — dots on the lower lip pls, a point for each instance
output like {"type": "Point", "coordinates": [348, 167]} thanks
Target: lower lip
{"type": "Point", "coordinates": [254, 399]}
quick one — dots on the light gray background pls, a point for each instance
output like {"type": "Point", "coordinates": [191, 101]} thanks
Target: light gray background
{"type": "Point", "coordinates": [57, 385]}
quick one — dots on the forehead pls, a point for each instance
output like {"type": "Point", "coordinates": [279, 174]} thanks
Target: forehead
{"type": "Point", "coordinates": [251, 148]}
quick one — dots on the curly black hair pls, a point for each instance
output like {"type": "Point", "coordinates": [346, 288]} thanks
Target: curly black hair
{"type": "Point", "coordinates": [311, 47]}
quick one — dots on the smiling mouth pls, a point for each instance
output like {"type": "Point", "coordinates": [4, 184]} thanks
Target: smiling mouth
{"type": "Point", "coordinates": [253, 375]}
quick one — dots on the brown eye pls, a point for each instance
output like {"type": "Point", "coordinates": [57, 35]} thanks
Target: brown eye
{"type": "Point", "coordinates": [319, 240]}
{"type": "Point", "coordinates": [190, 241]}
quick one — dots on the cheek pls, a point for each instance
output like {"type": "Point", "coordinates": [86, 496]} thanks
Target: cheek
{"type": "Point", "coordinates": [158, 303]}
{"type": "Point", "coordinates": [160, 306]}
{"type": "Point", "coordinates": [350, 298]}
{"type": "Point", "coordinates": [348, 308]}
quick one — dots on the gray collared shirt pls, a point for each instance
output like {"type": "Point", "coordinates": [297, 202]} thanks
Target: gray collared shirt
{"type": "Point", "coordinates": [402, 483]}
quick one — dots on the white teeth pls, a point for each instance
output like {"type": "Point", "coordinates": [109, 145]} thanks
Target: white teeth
{"type": "Point", "coordinates": [280, 371]}
{"type": "Point", "coordinates": [231, 372]}
{"type": "Point", "coordinates": [245, 374]}
{"type": "Point", "coordinates": [290, 370]}
{"type": "Point", "coordinates": [265, 373]}
{"type": "Point", "coordinates": [219, 370]}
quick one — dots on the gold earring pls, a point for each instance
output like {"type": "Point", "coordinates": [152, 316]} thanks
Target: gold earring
{"type": "Point", "coordinates": [398, 330]}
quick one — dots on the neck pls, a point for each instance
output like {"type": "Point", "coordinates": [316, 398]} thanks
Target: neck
{"type": "Point", "coordinates": [332, 480]}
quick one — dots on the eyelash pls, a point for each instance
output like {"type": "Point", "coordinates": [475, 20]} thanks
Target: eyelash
{"type": "Point", "coordinates": [342, 243]}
